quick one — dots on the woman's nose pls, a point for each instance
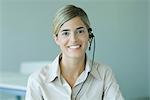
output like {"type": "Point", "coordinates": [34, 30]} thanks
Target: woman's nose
{"type": "Point", "coordinates": [73, 37]}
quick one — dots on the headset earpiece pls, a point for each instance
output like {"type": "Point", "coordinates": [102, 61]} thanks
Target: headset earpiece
{"type": "Point", "coordinates": [90, 33]}
{"type": "Point", "coordinates": [91, 36]}
{"type": "Point", "coordinates": [90, 30]}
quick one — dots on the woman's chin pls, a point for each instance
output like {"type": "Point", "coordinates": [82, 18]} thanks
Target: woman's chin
{"type": "Point", "coordinates": [75, 55]}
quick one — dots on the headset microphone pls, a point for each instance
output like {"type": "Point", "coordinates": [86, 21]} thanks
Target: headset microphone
{"type": "Point", "coordinates": [91, 36]}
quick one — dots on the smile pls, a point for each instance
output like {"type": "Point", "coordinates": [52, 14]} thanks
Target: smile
{"type": "Point", "coordinates": [75, 46]}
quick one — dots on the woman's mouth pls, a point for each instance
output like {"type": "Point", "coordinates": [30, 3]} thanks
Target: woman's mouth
{"type": "Point", "coordinates": [74, 46]}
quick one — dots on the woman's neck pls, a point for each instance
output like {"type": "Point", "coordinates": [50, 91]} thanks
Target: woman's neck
{"type": "Point", "coordinates": [71, 68]}
{"type": "Point", "coordinates": [72, 64]}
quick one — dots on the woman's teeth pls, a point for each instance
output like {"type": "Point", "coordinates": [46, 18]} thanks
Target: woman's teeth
{"type": "Point", "coordinates": [74, 46]}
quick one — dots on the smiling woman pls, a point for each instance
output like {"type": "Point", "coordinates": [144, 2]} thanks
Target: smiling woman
{"type": "Point", "coordinates": [73, 39]}
{"type": "Point", "coordinates": [72, 75]}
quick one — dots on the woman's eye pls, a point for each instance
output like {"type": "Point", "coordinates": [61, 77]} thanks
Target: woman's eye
{"type": "Point", "coordinates": [65, 33]}
{"type": "Point", "coordinates": [80, 31]}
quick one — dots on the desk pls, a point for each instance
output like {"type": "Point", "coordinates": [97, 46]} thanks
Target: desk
{"type": "Point", "coordinates": [13, 83]}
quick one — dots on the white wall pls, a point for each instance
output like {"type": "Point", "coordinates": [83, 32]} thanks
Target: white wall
{"type": "Point", "coordinates": [120, 28]}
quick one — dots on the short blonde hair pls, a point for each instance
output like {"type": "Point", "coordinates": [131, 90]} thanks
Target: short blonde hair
{"type": "Point", "coordinates": [66, 13]}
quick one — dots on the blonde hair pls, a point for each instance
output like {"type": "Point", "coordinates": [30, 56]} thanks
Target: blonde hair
{"type": "Point", "coordinates": [65, 14]}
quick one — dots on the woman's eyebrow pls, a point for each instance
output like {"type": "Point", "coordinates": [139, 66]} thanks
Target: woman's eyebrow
{"type": "Point", "coordinates": [80, 28]}
{"type": "Point", "coordinates": [65, 30]}
{"type": "Point", "coordinates": [69, 29]}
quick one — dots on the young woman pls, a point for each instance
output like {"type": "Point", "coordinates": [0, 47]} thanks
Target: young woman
{"type": "Point", "coordinates": [72, 75]}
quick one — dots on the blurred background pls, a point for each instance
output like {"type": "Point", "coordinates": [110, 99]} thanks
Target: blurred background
{"type": "Point", "coordinates": [121, 27]}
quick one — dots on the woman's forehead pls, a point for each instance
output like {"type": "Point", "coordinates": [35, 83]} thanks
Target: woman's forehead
{"type": "Point", "coordinates": [75, 22]}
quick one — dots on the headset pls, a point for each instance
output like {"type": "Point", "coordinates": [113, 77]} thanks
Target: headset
{"type": "Point", "coordinates": [91, 37]}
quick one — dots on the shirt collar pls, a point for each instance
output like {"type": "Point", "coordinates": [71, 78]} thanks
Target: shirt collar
{"type": "Point", "coordinates": [54, 69]}
{"type": "Point", "coordinates": [94, 69]}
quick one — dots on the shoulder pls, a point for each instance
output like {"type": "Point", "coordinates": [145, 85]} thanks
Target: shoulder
{"type": "Point", "coordinates": [103, 70]}
{"type": "Point", "coordinates": [39, 75]}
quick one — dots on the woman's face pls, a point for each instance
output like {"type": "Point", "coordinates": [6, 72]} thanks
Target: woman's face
{"type": "Point", "coordinates": [73, 38]}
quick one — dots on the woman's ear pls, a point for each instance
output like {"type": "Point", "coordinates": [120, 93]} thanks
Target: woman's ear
{"type": "Point", "coordinates": [56, 39]}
